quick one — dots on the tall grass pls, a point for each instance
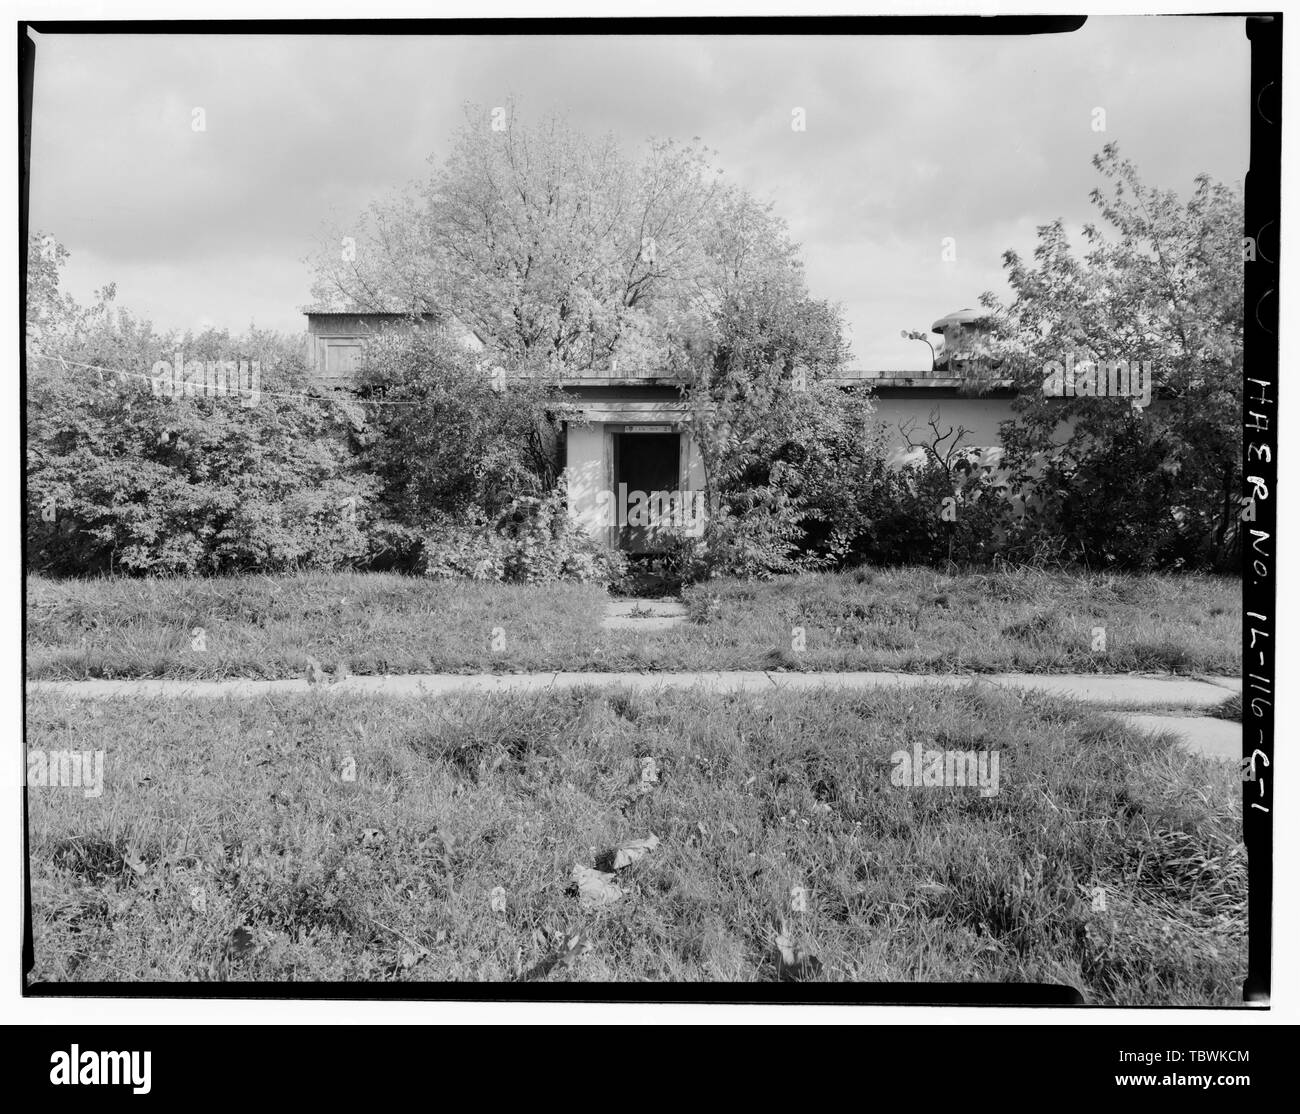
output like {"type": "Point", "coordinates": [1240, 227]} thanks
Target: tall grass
{"type": "Point", "coordinates": [896, 619]}
{"type": "Point", "coordinates": [775, 815]}
{"type": "Point", "coordinates": [1019, 620]}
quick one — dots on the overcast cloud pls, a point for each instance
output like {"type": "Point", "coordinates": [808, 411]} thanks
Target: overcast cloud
{"type": "Point", "coordinates": [908, 141]}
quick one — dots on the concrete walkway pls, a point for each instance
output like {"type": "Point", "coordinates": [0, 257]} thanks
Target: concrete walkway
{"type": "Point", "coordinates": [1120, 692]}
{"type": "Point", "coordinates": [1214, 738]}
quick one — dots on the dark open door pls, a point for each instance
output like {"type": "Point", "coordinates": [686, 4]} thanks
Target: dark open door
{"type": "Point", "coordinates": [647, 463]}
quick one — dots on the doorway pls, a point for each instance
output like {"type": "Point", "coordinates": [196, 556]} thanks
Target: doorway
{"type": "Point", "coordinates": [644, 463]}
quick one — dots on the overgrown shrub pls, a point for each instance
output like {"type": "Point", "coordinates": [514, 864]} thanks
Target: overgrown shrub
{"type": "Point", "coordinates": [532, 541]}
{"type": "Point", "coordinates": [929, 512]}
{"type": "Point", "coordinates": [787, 484]}
{"type": "Point", "coordinates": [447, 438]}
{"type": "Point", "coordinates": [121, 480]}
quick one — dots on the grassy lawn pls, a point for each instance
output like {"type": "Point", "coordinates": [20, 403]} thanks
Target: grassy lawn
{"type": "Point", "coordinates": [773, 815]}
{"type": "Point", "coordinates": [876, 619]}
{"type": "Point", "coordinates": [264, 626]}
{"type": "Point", "coordinates": [1025, 620]}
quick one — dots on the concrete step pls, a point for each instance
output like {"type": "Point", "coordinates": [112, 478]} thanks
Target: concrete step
{"type": "Point", "coordinates": [643, 615]}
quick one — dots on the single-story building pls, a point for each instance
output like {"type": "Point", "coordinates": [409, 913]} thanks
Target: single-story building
{"type": "Point", "coordinates": [632, 438]}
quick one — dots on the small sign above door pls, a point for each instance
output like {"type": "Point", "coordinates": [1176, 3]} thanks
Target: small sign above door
{"type": "Point", "coordinates": [649, 429]}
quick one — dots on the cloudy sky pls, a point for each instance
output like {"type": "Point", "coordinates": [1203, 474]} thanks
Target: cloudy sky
{"type": "Point", "coordinates": [908, 141]}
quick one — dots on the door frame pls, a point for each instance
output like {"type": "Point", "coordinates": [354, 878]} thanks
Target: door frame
{"type": "Point", "coordinates": [613, 429]}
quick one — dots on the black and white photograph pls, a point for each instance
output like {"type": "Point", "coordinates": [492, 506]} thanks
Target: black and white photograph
{"type": "Point", "coordinates": [700, 512]}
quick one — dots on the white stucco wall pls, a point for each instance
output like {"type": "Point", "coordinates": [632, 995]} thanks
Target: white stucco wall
{"type": "Point", "coordinates": [694, 466]}
{"type": "Point", "coordinates": [980, 416]}
{"type": "Point", "coordinates": [584, 473]}
{"type": "Point", "coordinates": [587, 471]}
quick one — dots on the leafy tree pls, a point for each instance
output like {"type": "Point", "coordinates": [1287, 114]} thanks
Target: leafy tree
{"type": "Point", "coordinates": [752, 350]}
{"type": "Point", "coordinates": [555, 248]}
{"type": "Point", "coordinates": [1163, 282]}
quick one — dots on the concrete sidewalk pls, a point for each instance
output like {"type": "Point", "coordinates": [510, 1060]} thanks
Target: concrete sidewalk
{"type": "Point", "coordinates": [1113, 690]}
{"type": "Point", "coordinates": [1122, 693]}
{"type": "Point", "coordinates": [1214, 738]}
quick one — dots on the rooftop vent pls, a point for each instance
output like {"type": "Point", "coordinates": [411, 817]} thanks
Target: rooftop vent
{"type": "Point", "coordinates": [964, 343]}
